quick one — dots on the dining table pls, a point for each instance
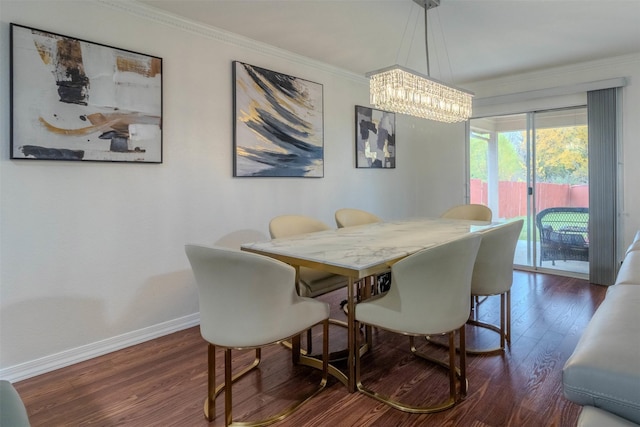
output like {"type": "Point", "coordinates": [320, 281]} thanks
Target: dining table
{"type": "Point", "coordinates": [360, 252]}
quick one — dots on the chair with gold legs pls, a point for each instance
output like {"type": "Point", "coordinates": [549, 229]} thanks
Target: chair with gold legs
{"type": "Point", "coordinates": [429, 295]}
{"type": "Point", "coordinates": [312, 283]}
{"type": "Point", "coordinates": [349, 217]}
{"type": "Point", "coordinates": [249, 301]}
{"type": "Point", "coordinates": [493, 275]}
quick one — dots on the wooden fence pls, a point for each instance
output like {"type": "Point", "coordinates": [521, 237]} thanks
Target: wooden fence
{"type": "Point", "coordinates": [513, 196]}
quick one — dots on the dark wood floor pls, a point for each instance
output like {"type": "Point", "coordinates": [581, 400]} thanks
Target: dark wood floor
{"type": "Point", "coordinates": [163, 382]}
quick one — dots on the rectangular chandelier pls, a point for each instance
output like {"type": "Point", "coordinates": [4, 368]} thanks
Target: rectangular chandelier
{"type": "Point", "coordinates": [400, 90]}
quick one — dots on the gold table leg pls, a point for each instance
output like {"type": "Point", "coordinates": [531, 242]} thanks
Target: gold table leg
{"type": "Point", "coordinates": [351, 337]}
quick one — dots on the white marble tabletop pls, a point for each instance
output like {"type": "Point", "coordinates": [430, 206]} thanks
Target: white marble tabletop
{"type": "Point", "coordinates": [366, 249]}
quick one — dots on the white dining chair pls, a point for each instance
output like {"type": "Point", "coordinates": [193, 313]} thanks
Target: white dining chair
{"type": "Point", "coordinates": [493, 275]}
{"type": "Point", "coordinates": [349, 217]}
{"type": "Point", "coordinates": [472, 212]}
{"type": "Point", "coordinates": [248, 301]}
{"type": "Point", "coordinates": [429, 295]}
{"type": "Point", "coordinates": [312, 283]}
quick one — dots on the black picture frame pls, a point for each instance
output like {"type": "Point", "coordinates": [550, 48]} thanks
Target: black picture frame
{"type": "Point", "coordinates": [375, 138]}
{"type": "Point", "coordinates": [77, 100]}
{"type": "Point", "coordinates": [278, 124]}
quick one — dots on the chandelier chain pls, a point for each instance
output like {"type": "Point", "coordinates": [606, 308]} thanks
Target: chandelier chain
{"type": "Point", "coordinates": [404, 33]}
{"type": "Point", "coordinates": [426, 40]}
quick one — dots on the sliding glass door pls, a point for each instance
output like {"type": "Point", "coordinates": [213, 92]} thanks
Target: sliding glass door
{"type": "Point", "coordinates": [535, 166]}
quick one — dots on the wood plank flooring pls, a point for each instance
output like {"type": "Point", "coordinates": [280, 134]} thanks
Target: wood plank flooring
{"type": "Point", "coordinates": [163, 382]}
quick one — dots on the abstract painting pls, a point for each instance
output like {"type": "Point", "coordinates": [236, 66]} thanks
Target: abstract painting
{"type": "Point", "coordinates": [76, 100]}
{"type": "Point", "coordinates": [375, 138]}
{"type": "Point", "coordinates": [278, 127]}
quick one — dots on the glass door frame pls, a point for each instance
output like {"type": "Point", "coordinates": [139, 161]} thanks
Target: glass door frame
{"type": "Point", "coordinates": [531, 120]}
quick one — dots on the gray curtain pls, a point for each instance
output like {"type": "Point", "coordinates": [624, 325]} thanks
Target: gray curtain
{"type": "Point", "coordinates": [602, 108]}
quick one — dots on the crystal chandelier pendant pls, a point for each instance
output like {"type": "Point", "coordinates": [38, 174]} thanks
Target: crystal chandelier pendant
{"type": "Point", "coordinates": [400, 90]}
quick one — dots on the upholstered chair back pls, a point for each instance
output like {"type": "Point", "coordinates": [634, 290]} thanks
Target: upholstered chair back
{"type": "Point", "coordinates": [473, 212]}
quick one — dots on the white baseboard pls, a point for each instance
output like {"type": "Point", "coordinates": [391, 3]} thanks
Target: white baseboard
{"type": "Point", "coordinates": [80, 354]}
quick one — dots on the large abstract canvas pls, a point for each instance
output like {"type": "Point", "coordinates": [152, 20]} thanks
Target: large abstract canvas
{"type": "Point", "coordinates": [76, 100]}
{"type": "Point", "coordinates": [278, 124]}
{"type": "Point", "coordinates": [375, 138]}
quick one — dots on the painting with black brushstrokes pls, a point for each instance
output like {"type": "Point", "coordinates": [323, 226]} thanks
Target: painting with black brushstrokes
{"type": "Point", "coordinates": [77, 100]}
{"type": "Point", "coordinates": [375, 138]}
{"type": "Point", "coordinates": [278, 124]}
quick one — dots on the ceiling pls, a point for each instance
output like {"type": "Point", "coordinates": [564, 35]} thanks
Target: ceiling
{"type": "Point", "coordinates": [469, 40]}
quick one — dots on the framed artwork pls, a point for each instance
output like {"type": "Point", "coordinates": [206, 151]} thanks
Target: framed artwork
{"type": "Point", "coordinates": [76, 100]}
{"type": "Point", "coordinates": [375, 138]}
{"type": "Point", "coordinates": [278, 124]}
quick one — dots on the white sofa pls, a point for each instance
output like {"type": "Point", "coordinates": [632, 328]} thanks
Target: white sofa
{"type": "Point", "coordinates": [603, 373]}
{"type": "Point", "coordinates": [12, 410]}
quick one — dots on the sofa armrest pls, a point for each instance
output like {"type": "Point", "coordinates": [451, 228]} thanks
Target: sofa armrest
{"type": "Point", "coordinates": [635, 245]}
{"type": "Point", "coordinates": [604, 369]}
{"type": "Point", "coordinates": [629, 273]}
{"type": "Point", "coordinates": [12, 410]}
{"type": "Point", "coordinates": [594, 417]}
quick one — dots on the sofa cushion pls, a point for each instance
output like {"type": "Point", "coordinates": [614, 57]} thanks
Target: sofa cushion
{"type": "Point", "coordinates": [594, 417]}
{"type": "Point", "coordinates": [12, 410]}
{"type": "Point", "coordinates": [604, 369]}
{"type": "Point", "coordinates": [629, 273]}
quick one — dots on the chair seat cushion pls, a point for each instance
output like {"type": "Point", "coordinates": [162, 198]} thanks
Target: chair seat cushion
{"type": "Point", "coordinates": [316, 282]}
{"type": "Point", "coordinates": [604, 369]}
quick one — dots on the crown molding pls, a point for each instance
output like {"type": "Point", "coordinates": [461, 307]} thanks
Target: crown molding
{"type": "Point", "coordinates": [549, 92]}
{"type": "Point", "coordinates": [549, 73]}
{"type": "Point", "coordinates": [156, 15]}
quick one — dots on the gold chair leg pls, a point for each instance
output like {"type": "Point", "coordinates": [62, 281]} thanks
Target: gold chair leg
{"type": "Point", "coordinates": [212, 390]}
{"type": "Point", "coordinates": [453, 373]}
{"type": "Point", "coordinates": [463, 360]}
{"type": "Point", "coordinates": [229, 379]}
{"type": "Point", "coordinates": [502, 320]}
{"type": "Point", "coordinates": [461, 372]}
{"type": "Point", "coordinates": [210, 402]}
{"type": "Point", "coordinates": [452, 367]}
{"type": "Point", "coordinates": [508, 328]}
{"type": "Point", "coordinates": [503, 329]}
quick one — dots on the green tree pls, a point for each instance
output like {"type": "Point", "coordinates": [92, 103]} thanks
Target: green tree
{"type": "Point", "coordinates": [511, 163]}
{"type": "Point", "coordinates": [562, 155]}
{"type": "Point", "coordinates": [478, 158]}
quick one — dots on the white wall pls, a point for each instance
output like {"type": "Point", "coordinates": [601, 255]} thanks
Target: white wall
{"type": "Point", "coordinates": [91, 255]}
